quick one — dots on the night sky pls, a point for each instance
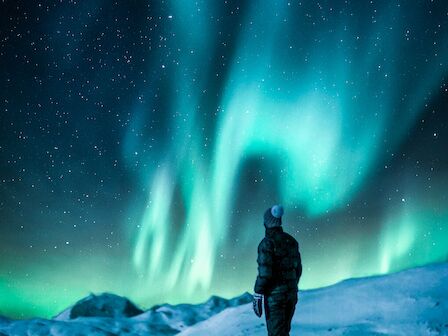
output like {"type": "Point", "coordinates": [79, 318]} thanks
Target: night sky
{"type": "Point", "coordinates": [141, 142]}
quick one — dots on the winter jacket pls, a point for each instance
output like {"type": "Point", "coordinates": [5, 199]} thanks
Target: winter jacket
{"type": "Point", "coordinates": [279, 262]}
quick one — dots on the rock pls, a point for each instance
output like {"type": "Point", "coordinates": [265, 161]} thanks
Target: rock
{"type": "Point", "coordinates": [104, 305]}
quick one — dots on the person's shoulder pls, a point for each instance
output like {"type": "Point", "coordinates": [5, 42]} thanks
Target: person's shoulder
{"type": "Point", "coordinates": [266, 244]}
{"type": "Point", "coordinates": [290, 238]}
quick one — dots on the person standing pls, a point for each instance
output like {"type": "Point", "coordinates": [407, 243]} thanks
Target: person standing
{"type": "Point", "coordinates": [279, 272]}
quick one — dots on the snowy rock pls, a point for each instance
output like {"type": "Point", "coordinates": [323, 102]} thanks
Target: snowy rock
{"type": "Point", "coordinates": [103, 305]}
{"type": "Point", "coordinates": [182, 316]}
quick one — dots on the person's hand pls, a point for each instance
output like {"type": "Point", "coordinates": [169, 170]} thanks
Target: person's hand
{"type": "Point", "coordinates": [258, 304]}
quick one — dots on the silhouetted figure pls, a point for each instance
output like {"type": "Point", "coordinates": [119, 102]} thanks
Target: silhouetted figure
{"type": "Point", "coordinates": [279, 271]}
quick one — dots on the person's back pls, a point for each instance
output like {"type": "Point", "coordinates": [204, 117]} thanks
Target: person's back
{"type": "Point", "coordinates": [279, 271]}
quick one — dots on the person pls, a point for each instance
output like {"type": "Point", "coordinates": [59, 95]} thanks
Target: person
{"type": "Point", "coordinates": [279, 272]}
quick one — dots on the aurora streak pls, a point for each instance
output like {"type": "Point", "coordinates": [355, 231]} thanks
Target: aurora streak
{"type": "Point", "coordinates": [296, 105]}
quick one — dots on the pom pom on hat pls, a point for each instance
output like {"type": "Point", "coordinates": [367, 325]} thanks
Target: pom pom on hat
{"type": "Point", "coordinates": [277, 211]}
{"type": "Point", "coordinates": [273, 216]}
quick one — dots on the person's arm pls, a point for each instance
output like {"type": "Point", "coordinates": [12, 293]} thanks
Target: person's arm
{"type": "Point", "coordinates": [265, 261]}
{"type": "Point", "coordinates": [264, 278]}
{"type": "Point", "coordinates": [299, 267]}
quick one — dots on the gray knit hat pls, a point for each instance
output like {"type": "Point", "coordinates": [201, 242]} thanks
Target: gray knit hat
{"type": "Point", "coordinates": [273, 216]}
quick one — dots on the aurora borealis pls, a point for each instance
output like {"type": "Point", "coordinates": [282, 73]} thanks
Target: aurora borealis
{"type": "Point", "coordinates": [141, 142]}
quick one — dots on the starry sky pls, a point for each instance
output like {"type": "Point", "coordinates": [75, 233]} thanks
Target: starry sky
{"type": "Point", "coordinates": [141, 142]}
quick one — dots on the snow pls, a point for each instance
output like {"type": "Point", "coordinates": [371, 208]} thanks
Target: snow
{"type": "Point", "coordinates": [412, 302]}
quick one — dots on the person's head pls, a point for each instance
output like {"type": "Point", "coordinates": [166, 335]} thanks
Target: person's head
{"type": "Point", "coordinates": [273, 216]}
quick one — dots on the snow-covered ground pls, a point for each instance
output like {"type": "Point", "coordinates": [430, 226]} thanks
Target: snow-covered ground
{"type": "Point", "coordinates": [412, 302]}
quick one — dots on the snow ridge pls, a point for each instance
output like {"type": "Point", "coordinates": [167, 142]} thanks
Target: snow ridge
{"type": "Point", "coordinates": [411, 302]}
